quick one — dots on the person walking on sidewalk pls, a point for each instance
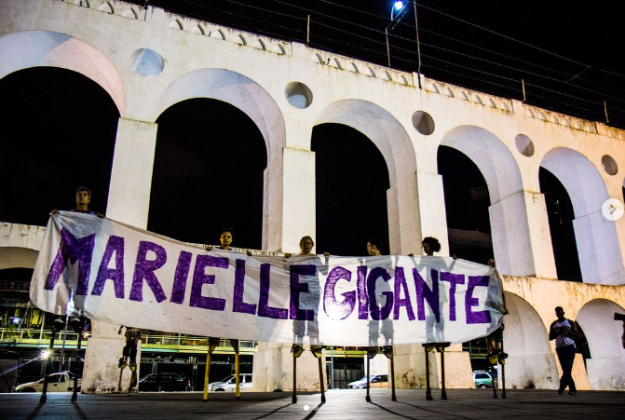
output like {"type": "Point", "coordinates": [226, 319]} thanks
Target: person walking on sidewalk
{"type": "Point", "coordinates": [564, 331]}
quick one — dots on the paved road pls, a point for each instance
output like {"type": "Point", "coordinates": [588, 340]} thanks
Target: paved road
{"type": "Point", "coordinates": [341, 404]}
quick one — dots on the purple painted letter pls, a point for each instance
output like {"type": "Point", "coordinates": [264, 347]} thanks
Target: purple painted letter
{"type": "Point", "coordinates": [239, 291]}
{"type": "Point", "coordinates": [264, 309]}
{"type": "Point", "coordinates": [144, 269]}
{"type": "Point", "coordinates": [200, 278]}
{"type": "Point", "coordinates": [114, 245]}
{"type": "Point", "coordinates": [480, 317]}
{"type": "Point", "coordinates": [180, 278]}
{"type": "Point", "coordinates": [425, 293]}
{"type": "Point", "coordinates": [453, 280]}
{"type": "Point", "coordinates": [400, 284]}
{"type": "Point", "coordinates": [331, 307]}
{"type": "Point", "coordinates": [297, 288]}
{"type": "Point", "coordinates": [378, 313]}
{"type": "Point", "coordinates": [72, 249]}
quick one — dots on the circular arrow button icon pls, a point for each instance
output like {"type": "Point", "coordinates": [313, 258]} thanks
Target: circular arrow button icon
{"type": "Point", "coordinates": [612, 209]}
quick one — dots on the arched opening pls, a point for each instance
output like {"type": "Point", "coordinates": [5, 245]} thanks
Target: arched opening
{"type": "Point", "coordinates": [561, 215]}
{"type": "Point", "coordinates": [371, 125]}
{"type": "Point", "coordinates": [58, 134]}
{"type": "Point", "coordinates": [466, 206]}
{"type": "Point", "coordinates": [259, 107]}
{"type": "Point", "coordinates": [350, 191]}
{"type": "Point", "coordinates": [208, 174]}
{"type": "Point", "coordinates": [509, 225]}
{"type": "Point", "coordinates": [606, 366]}
{"type": "Point", "coordinates": [596, 239]}
{"type": "Point", "coordinates": [530, 364]}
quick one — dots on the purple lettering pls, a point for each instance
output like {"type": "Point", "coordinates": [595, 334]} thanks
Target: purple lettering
{"type": "Point", "coordinates": [297, 288]}
{"type": "Point", "coordinates": [453, 279]}
{"type": "Point", "coordinates": [264, 309]}
{"type": "Point", "coordinates": [425, 293]}
{"type": "Point", "coordinates": [144, 269]}
{"type": "Point", "coordinates": [114, 245]}
{"type": "Point", "coordinates": [361, 289]}
{"type": "Point", "coordinates": [180, 277]}
{"type": "Point", "coordinates": [378, 313]}
{"type": "Point", "coordinates": [200, 278]}
{"type": "Point", "coordinates": [400, 284]}
{"type": "Point", "coordinates": [331, 307]}
{"type": "Point", "coordinates": [72, 249]}
{"type": "Point", "coordinates": [239, 291]}
{"type": "Point", "coordinates": [480, 317]}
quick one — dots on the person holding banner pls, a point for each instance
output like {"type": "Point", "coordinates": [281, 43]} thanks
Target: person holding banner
{"type": "Point", "coordinates": [310, 300]}
{"type": "Point", "coordinates": [83, 198]}
{"type": "Point", "coordinates": [225, 239]}
{"type": "Point", "coordinates": [430, 245]}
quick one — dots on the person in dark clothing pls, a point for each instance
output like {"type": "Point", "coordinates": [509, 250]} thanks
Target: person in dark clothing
{"type": "Point", "coordinates": [564, 331]}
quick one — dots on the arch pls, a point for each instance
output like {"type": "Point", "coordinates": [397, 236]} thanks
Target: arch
{"type": "Point", "coordinates": [391, 138]}
{"type": "Point", "coordinates": [20, 246]}
{"type": "Point", "coordinates": [237, 90]}
{"type": "Point", "coordinates": [279, 49]}
{"type": "Point", "coordinates": [176, 24]}
{"type": "Point", "coordinates": [218, 34]}
{"type": "Point", "coordinates": [334, 62]}
{"type": "Point", "coordinates": [197, 29]}
{"type": "Point", "coordinates": [508, 214]}
{"type": "Point", "coordinates": [251, 98]}
{"type": "Point", "coordinates": [597, 241]}
{"type": "Point", "coordinates": [106, 7]}
{"type": "Point", "coordinates": [606, 366]}
{"type": "Point", "coordinates": [52, 49]}
{"type": "Point", "coordinates": [259, 45]}
{"type": "Point", "coordinates": [531, 363]}
{"type": "Point", "coordinates": [130, 14]}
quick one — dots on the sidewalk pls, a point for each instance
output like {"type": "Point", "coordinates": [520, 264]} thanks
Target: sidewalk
{"type": "Point", "coordinates": [341, 404]}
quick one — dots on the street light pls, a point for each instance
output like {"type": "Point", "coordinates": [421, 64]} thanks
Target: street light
{"type": "Point", "coordinates": [400, 7]}
{"type": "Point", "coordinates": [397, 7]}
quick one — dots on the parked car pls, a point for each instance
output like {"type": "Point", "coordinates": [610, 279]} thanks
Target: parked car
{"type": "Point", "coordinates": [375, 381]}
{"type": "Point", "coordinates": [482, 379]}
{"type": "Point", "coordinates": [57, 382]}
{"type": "Point", "coordinates": [164, 381]}
{"type": "Point", "coordinates": [228, 383]}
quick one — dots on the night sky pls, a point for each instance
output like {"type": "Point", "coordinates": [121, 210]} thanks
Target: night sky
{"type": "Point", "coordinates": [59, 127]}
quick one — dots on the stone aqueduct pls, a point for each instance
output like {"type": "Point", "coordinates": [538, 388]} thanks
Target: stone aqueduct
{"type": "Point", "coordinates": [148, 60]}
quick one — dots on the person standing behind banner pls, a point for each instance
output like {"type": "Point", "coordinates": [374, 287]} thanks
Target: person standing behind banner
{"type": "Point", "coordinates": [312, 298]}
{"type": "Point", "coordinates": [564, 332]}
{"type": "Point", "coordinates": [430, 245]}
{"type": "Point", "coordinates": [385, 328]}
{"type": "Point", "coordinates": [225, 239]}
{"type": "Point", "coordinates": [83, 199]}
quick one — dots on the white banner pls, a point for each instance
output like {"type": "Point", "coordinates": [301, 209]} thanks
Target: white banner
{"type": "Point", "coordinates": [118, 274]}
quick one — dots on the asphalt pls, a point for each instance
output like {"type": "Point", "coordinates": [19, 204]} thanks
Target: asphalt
{"type": "Point", "coordinates": [340, 404]}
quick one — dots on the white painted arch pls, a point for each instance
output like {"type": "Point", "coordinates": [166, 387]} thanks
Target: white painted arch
{"type": "Point", "coordinates": [606, 366]}
{"type": "Point", "coordinates": [395, 145]}
{"type": "Point", "coordinates": [29, 49]}
{"type": "Point", "coordinates": [508, 214]}
{"type": "Point", "coordinates": [531, 363]}
{"type": "Point", "coordinates": [253, 100]}
{"type": "Point", "coordinates": [236, 90]}
{"type": "Point", "coordinates": [600, 257]}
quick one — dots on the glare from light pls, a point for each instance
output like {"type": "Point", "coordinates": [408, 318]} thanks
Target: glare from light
{"type": "Point", "coordinates": [17, 320]}
{"type": "Point", "coordinates": [399, 5]}
{"type": "Point", "coordinates": [45, 354]}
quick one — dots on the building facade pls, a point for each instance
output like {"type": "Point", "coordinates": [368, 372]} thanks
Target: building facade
{"type": "Point", "coordinates": [148, 60]}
